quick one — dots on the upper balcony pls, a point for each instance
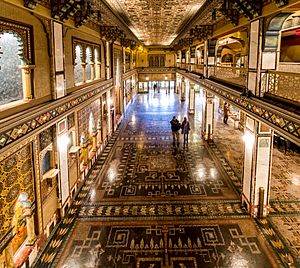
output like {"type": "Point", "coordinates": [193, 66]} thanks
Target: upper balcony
{"type": "Point", "coordinates": [282, 88]}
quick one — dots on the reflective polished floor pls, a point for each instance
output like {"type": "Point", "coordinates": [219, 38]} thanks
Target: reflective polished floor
{"type": "Point", "coordinates": [149, 204]}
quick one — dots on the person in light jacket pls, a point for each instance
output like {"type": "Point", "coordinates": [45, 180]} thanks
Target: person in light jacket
{"type": "Point", "coordinates": [185, 126]}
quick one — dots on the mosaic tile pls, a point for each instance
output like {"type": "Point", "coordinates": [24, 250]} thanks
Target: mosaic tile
{"type": "Point", "coordinates": [214, 243]}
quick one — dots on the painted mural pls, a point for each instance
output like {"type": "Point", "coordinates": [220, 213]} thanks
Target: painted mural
{"type": "Point", "coordinates": [16, 177]}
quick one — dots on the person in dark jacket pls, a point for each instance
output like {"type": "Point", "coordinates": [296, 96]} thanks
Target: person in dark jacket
{"type": "Point", "coordinates": [175, 127]}
{"type": "Point", "coordinates": [226, 112]}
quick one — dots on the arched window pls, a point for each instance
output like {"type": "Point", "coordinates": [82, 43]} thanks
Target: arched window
{"type": "Point", "coordinates": [88, 63]}
{"type": "Point", "coordinates": [10, 72]}
{"type": "Point", "coordinates": [78, 76]}
{"type": "Point", "coordinates": [97, 63]}
{"type": "Point", "coordinates": [92, 127]}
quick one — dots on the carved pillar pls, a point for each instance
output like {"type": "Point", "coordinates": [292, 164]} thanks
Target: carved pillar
{"type": "Point", "coordinates": [26, 81]}
{"type": "Point", "coordinates": [192, 99]}
{"type": "Point", "coordinates": [108, 60]}
{"type": "Point", "coordinates": [99, 140]}
{"type": "Point", "coordinates": [255, 49]}
{"type": "Point", "coordinates": [242, 120]}
{"type": "Point", "coordinates": [84, 149]}
{"type": "Point", "coordinates": [83, 65]}
{"type": "Point", "coordinates": [98, 69]}
{"type": "Point", "coordinates": [183, 85]}
{"type": "Point", "coordinates": [94, 139]}
{"type": "Point", "coordinates": [31, 237]}
{"type": "Point", "coordinates": [92, 70]}
{"type": "Point", "coordinates": [208, 116]}
{"type": "Point", "coordinates": [258, 139]}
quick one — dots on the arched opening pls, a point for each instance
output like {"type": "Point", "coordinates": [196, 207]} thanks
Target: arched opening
{"type": "Point", "coordinates": [227, 59]}
{"type": "Point", "coordinates": [10, 72]}
{"type": "Point", "coordinates": [290, 39]}
{"type": "Point", "coordinates": [88, 63]}
{"type": "Point", "coordinates": [97, 63]}
{"type": "Point", "coordinates": [78, 74]}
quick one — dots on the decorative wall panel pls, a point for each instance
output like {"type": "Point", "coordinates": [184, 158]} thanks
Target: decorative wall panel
{"type": "Point", "coordinates": [16, 177]}
{"type": "Point", "coordinates": [71, 121]}
{"type": "Point", "coordinates": [84, 117]}
{"type": "Point", "coordinates": [46, 137]}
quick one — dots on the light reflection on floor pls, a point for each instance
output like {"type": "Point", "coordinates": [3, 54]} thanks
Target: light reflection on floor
{"type": "Point", "coordinates": [154, 206]}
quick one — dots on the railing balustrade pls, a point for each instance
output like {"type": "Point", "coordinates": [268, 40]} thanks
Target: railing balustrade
{"type": "Point", "coordinates": [284, 84]}
{"type": "Point", "coordinates": [233, 75]}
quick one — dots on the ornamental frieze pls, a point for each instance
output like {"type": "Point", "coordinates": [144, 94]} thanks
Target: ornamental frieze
{"type": "Point", "coordinates": [50, 113]}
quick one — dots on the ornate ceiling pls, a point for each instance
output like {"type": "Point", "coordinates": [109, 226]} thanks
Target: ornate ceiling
{"type": "Point", "coordinates": [156, 22]}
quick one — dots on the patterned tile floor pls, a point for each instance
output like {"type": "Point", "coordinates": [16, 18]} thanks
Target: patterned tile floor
{"type": "Point", "coordinates": [147, 204]}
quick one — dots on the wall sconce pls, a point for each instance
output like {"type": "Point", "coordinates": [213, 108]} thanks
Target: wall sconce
{"type": "Point", "coordinates": [147, 78]}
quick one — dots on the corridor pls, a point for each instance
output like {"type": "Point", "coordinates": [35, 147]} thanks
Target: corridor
{"type": "Point", "coordinates": [148, 204]}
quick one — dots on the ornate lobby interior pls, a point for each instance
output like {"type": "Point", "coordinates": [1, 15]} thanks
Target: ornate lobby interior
{"type": "Point", "coordinates": [89, 173]}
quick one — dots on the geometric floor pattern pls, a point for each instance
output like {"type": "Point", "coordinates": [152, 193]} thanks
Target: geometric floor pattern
{"type": "Point", "coordinates": [211, 243]}
{"type": "Point", "coordinates": [147, 204]}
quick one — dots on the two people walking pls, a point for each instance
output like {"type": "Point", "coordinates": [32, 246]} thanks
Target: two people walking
{"type": "Point", "coordinates": [185, 129]}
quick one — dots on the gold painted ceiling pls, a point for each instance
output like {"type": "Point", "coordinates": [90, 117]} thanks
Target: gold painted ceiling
{"type": "Point", "coordinates": [156, 22]}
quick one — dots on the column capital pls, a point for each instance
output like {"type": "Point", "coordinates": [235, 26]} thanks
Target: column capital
{"type": "Point", "coordinates": [27, 68]}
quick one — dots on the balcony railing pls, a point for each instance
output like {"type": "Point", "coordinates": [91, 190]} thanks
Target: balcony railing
{"type": "Point", "coordinates": [284, 84]}
{"type": "Point", "coordinates": [237, 76]}
{"type": "Point", "coordinates": [233, 75]}
{"type": "Point", "coordinates": [197, 68]}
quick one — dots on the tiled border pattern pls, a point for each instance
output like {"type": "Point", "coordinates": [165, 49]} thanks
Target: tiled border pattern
{"type": "Point", "coordinates": [163, 209]}
{"type": "Point", "coordinates": [284, 208]}
{"type": "Point", "coordinates": [55, 242]}
{"type": "Point", "coordinates": [277, 243]}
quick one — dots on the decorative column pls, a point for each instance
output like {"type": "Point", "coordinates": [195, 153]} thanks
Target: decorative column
{"type": "Point", "coordinates": [83, 65]}
{"type": "Point", "coordinates": [99, 140]}
{"type": "Point", "coordinates": [31, 237]}
{"type": "Point", "coordinates": [242, 120]}
{"type": "Point", "coordinates": [208, 116]}
{"type": "Point", "coordinates": [107, 60]}
{"type": "Point", "coordinates": [192, 99]}
{"type": "Point", "coordinates": [84, 148]}
{"type": "Point", "coordinates": [26, 81]}
{"type": "Point", "coordinates": [98, 69]}
{"type": "Point", "coordinates": [183, 89]}
{"type": "Point", "coordinates": [94, 140]}
{"type": "Point", "coordinates": [92, 64]}
{"type": "Point", "coordinates": [255, 48]}
{"type": "Point", "coordinates": [258, 139]}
